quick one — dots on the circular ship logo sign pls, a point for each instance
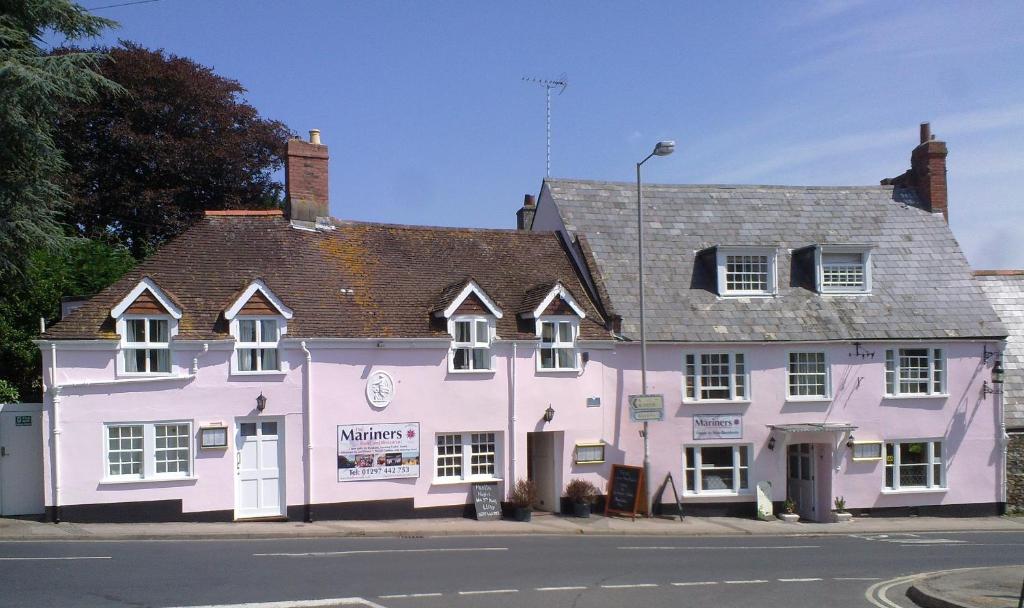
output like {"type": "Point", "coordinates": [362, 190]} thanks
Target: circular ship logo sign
{"type": "Point", "coordinates": [380, 389]}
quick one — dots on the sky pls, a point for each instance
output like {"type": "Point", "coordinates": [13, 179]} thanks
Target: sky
{"type": "Point", "coordinates": [429, 121]}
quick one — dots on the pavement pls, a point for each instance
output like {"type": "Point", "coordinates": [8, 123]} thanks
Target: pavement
{"type": "Point", "coordinates": [970, 588]}
{"type": "Point", "coordinates": [542, 524]}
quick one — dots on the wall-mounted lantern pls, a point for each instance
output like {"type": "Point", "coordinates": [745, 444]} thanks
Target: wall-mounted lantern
{"type": "Point", "coordinates": [549, 414]}
{"type": "Point", "coordinates": [850, 441]}
{"type": "Point", "coordinates": [261, 402]}
{"type": "Point", "coordinates": [996, 387]}
{"type": "Point", "coordinates": [771, 442]}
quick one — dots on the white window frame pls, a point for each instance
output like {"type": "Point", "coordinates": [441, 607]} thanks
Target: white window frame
{"type": "Point", "coordinates": [789, 373]}
{"type": "Point", "coordinates": [588, 445]}
{"type": "Point", "coordinates": [121, 326]}
{"type": "Point", "coordinates": [697, 385]}
{"type": "Point", "coordinates": [819, 265]}
{"type": "Point", "coordinates": [574, 323]}
{"type": "Point", "coordinates": [931, 484]}
{"type": "Point", "coordinates": [466, 444]}
{"type": "Point", "coordinates": [935, 362]}
{"type": "Point", "coordinates": [282, 329]}
{"type": "Point", "coordinates": [473, 344]}
{"type": "Point", "coordinates": [736, 468]}
{"type": "Point", "coordinates": [722, 255]}
{"type": "Point", "coordinates": [148, 472]}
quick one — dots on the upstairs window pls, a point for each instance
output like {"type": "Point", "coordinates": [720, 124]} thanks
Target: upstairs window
{"type": "Point", "coordinates": [746, 271]}
{"type": "Point", "coordinates": [915, 371]}
{"type": "Point", "coordinates": [146, 345]}
{"type": "Point", "coordinates": [471, 344]}
{"type": "Point", "coordinates": [557, 345]}
{"type": "Point", "coordinates": [807, 376]}
{"type": "Point", "coordinates": [844, 269]}
{"type": "Point", "coordinates": [256, 345]}
{"type": "Point", "coordinates": [716, 377]}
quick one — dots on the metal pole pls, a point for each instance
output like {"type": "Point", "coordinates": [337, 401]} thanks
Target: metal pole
{"type": "Point", "coordinates": [643, 332]}
{"type": "Point", "coordinates": [547, 156]}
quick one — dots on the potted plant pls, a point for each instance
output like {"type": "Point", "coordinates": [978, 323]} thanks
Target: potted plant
{"type": "Point", "coordinates": [580, 493]}
{"type": "Point", "coordinates": [789, 511]}
{"type": "Point", "coordinates": [841, 514]}
{"type": "Point", "coordinates": [523, 495]}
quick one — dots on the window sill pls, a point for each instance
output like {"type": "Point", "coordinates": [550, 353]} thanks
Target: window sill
{"type": "Point", "coordinates": [120, 482]}
{"type": "Point", "coordinates": [717, 402]}
{"type": "Point", "coordinates": [471, 372]}
{"type": "Point", "coordinates": [455, 482]}
{"type": "Point", "coordinates": [917, 396]}
{"type": "Point", "coordinates": [274, 372]}
{"type": "Point", "coordinates": [808, 399]}
{"type": "Point", "coordinates": [756, 294]}
{"type": "Point", "coordinates": [563, 370]}
{"type": "Point", "coordinates": [844, 293]}
{"type": "Point", "coordinates": [888, 491]}
{"type": "Point", "coordinates": [716, 494]}
{"type": "Point", "coordinates": [126, 375]}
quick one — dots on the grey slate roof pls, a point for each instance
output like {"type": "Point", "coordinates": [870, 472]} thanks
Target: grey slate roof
{"type": "Point", "coordinates": [1005, 289]}
{"type": "Point", "coordinates": [922, 285]}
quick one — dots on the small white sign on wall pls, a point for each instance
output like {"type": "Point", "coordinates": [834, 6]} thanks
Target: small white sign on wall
{"type": "Point", "coordinates": [380, 389]}
{"type": "Point", "coordinates": [718, 426]}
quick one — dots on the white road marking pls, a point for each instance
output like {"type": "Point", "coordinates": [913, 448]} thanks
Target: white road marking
{"type": "Point", "coordinates": [373, 551]}
{"type": "Point", "coordinates": [488, 591]}
{"type": "Point", "coordinates": [715, 548]}
{"type": "Point", "coordinates": [745, 582]}
{"type": "Point", "coordinates": [798, 580]}
{"type": "Point", "coordinates": [633, 586]}
{"type": "Point", "coordinates": [876, 594]}
{"type": "Point", "coordinates": [56, 558]}
{"type": "Point", "coordinates": [928, 541]}
{"type": "Point", "coordinates": [695, 583]}
{"type": "Point", "coordinates": [330, 603]}
{"type": "Point", "coordinates": [580, 588]}
{"type": "Point", "coordinates": [424, 595]}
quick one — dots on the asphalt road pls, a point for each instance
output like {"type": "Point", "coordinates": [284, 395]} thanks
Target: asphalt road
{"type": "Point", "coordinates": [519, 571]}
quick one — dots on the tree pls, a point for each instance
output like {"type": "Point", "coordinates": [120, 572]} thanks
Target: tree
{"type": "Point", "coordinates": [146, 165]}
{"type": "Point", "coordinates": [83, 267]}
{"type": "Point", "coordinates": [35, 88]}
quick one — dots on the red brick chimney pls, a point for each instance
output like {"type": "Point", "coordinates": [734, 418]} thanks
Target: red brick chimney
{"type": "Point", "coordinates": [927, 174]}
{"type": "Point", "coordinates": [305, 179]}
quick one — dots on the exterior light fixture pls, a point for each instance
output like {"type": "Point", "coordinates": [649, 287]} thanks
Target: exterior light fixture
{"type": "Point", "coordinates": [261, 403]}
{"type": "Point", "coordinates": [771, 442]}
{"type": "Point", "coordinates": [850, 441]}
{"type": "Point", "coordinates": [549, 414]}
{"type": "Point", "coordinates": [996, 388]}
{"type": "Point", "coordinates": [997, 372]}
{"type": "Point", "coordinates": [987, 354]}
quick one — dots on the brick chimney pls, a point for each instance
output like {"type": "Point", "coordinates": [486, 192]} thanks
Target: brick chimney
{"type": "Point", "coordinates": [524, 217]}
{"type": "Point", "coordinates": [927, 174]}
{"type": "Point", "coordinates": [305, 179]}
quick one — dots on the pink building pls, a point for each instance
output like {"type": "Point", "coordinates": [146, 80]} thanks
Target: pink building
{"type": "Point", "coordinates": [828, 341]}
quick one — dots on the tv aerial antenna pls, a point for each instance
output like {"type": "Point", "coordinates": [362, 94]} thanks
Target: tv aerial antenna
{"type": "Point", "coordinates": [558, 83]}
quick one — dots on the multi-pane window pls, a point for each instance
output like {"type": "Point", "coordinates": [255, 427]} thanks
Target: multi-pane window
{"type": "Point", "coordinates": [466, 456]}
{"type": "Point", "coordinates": [716, 376]}
{"type": "Point", "coordinates": [557, 345]}
{"type": "Point", "coordinates": [746, 273]}
{"type": "Point", "coordinates": [256, 345]}
{"type": "Point", "coordinates": [150, 450]}
{"type": "Point", "coordinates": [471, 346]}
{"type": "Point", "coordinates": [146, 345]}
{"type": "Point", "coordinates": [808, 375]}
{"type": "Point", "coordinates": [842, 271]}
{"type": "Point", "coordinates": [914, 465]}
{"type": "Point", "coordinates": [915, 371]}
{"type": "Point", "coordinates": [717, 469]}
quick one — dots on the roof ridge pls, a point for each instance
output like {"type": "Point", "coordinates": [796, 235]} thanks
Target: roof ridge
{"type": "Point", "coordinates": [468, 229]}
{"type": "Point", "coordinates": [999, 272]}
{"type": "Point", "coordinates": [243, 212]}
{"type": "Point", "coordinates": [724, 186]}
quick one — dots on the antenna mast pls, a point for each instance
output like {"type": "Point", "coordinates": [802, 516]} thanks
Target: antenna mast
{"type": "Point", "coordinates": [559, 83]}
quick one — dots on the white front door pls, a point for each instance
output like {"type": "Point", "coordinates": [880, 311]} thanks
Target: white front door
{"type": "Point", "coordinates": [259, 486]}
{"type": "Point", "coordinates": [21, 463]}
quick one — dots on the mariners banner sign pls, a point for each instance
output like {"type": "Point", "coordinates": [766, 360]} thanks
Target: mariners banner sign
{"type": "Point", "coordinates": [718, 426]}
{"type": "Point", "coordinates": [378, 451]}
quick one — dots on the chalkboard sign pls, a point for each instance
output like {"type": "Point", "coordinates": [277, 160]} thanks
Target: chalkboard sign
{"type": "Point", "coordinates": [485, 498]}
{"type": "Point", "coordinates": [624, 490]}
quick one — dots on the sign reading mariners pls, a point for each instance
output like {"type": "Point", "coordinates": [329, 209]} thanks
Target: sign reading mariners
{"type": "Point", "coordinates": [646, 407]}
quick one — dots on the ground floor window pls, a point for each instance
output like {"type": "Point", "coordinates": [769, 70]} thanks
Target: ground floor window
{"type": "Point", "coordinates": [466, 456]}
{"type": "Point", "coordinates": [717, 469]}
{"type": "Point", "coordinates": [148, 450]}
{"type": "Point", "coordinates": [914, 465]}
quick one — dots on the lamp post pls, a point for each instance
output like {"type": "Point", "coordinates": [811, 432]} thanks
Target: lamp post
{"type": "Point", "coordinates": [662, 148]}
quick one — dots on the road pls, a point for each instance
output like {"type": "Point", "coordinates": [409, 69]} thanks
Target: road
{"type": "Point", "coordinates": [485, 572]}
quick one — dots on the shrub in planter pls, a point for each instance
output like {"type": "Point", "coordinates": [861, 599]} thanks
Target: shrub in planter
{"type": "Point", "coordinates": [581, 494]}
{"type": "Point", "coordinates": [789, 511]}
{"type": "Point", "coordinates": [522, 497]}
{"type": "Point", "coordinates": [840, 514]}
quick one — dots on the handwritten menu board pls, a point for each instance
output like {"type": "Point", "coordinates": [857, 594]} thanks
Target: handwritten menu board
{"type": "Point", "coordinates": [485, 498]}
{"type": "Point", "coordinates": [624, 489]}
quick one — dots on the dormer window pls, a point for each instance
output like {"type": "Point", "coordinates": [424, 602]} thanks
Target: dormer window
{"type": "Point", "coordinates": [146, 319]}
{"type": "Point", "coordinates": [558, 344]}
{"type": "Point", "coordinates": [471, 344]}
{"type": "Point", "coordinates": [256, 345]}
{"type": "Point", "coordinates": [746, 271]}
{"type": "Point", "coordinates": [558, 316]}
{"type": "Point", "coordinates": [843, 268]}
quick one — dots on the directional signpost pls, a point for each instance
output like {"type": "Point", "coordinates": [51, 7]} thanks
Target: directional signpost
{"type": "Point", "coordinates": [646, 407]}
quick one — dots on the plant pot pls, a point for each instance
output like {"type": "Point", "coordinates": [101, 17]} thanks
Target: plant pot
{"type": "Point", "coordinates": [522, 513]}
{"type": "Point", "coordinates": [581, 509]}
{"type": "Point", "coordinates": [841, 517]}
{"type": "Point", "coordinates": [789, 517]}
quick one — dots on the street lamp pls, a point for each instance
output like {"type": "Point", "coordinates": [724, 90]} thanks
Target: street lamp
{"type": "Point", "coordinates": [662, 148]}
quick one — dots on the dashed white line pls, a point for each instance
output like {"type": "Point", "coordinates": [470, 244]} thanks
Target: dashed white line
{"type": "Point", "coordinates": [577, 588]}
{"type": "Point", "coordinates": [695, 583]}
{"type": "Point", "coordinates": [633, 586]}
{"type": "Point", "coordinates": [750, 582]}
{"type": "Point", "coordinates": [373, 551]}
{"type": "Point", "coordinates": [31, 559]}
{"type": "Point", "coordinates": [424, 595]}
{"type": "Point", "coordinates": [798, 580]}
{"type": "Point", "coordinates": [488, 591]}
{"type": "Point", "coordinates": [671, 548]}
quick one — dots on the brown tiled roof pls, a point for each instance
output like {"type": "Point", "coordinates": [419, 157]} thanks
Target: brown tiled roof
{"type": "Point", "coordinates": [396, 274]}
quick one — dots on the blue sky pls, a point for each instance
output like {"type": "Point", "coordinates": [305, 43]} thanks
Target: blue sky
{"type": "Point", "coordinates": [429, 122]}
